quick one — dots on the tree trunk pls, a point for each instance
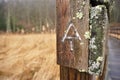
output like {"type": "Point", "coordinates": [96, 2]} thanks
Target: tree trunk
{"type": "Point", "coordinates": [8, 19]}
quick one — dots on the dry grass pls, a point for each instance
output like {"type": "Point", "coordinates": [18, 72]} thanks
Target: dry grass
{"type": "Point", "coordinates": [28, 57]}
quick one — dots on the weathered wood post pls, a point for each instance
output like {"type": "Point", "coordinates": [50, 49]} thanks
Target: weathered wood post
{"type": "Point", "coordinates": [76, 55]}
{"type": "Point", "coordinates": [70, 12]}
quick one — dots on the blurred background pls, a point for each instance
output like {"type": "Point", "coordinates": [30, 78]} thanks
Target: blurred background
{"type": "Point", "coordinates": [27, 16]}
{"type": "Point", "coordinates": [28, 40]}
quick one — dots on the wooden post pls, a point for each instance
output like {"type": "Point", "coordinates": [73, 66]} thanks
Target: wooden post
{"type": "Point", "coordinates": [72, 74]}
{"type": "Point", "coordinates": [72, 23]}
{"type": "Point", "coordinates": [77, 12]}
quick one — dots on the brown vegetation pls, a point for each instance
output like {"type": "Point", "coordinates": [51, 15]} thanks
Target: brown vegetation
{"type": "Point", "coordinates": [28, 57]}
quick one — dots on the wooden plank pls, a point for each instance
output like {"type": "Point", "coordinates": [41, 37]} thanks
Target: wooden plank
{"type": "Point", "coordinates": [76, 12]}
{"type": "Point", "coordinates": [72, 74]}
{"type": "Point", "coordinates": [64, 73]}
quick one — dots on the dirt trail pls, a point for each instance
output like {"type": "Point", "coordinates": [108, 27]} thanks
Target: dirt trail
{"type": "Point", "coordinates": [28, 57]}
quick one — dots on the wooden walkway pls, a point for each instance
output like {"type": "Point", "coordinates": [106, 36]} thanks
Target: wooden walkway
{"type": "Point", "coordinates": [113, 59]}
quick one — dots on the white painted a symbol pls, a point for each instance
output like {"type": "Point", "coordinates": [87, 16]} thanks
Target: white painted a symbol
{"type": "Point", "coordinates": [70, 38]}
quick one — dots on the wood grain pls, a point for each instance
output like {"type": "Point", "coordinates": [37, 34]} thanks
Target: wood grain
{"type": "Point", "coordinates": [66, 11]}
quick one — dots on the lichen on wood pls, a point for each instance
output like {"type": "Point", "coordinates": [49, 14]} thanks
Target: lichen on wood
{"type": "Point", "coordinates": [98, 29]}
{"type": "Point", "coordinates": [104, 1]}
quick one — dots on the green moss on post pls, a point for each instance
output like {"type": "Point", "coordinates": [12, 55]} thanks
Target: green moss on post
{"type": "Point", "coordinates": [98, 29]}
